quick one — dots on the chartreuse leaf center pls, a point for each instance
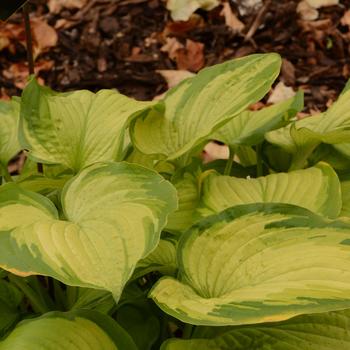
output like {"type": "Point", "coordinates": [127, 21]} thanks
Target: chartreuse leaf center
{"type": "Point", "coordinates": [325, 331]}
{"type": "Point", "coordinates": [198, 106]}
{"type": "Point", "coordinates": [317, 189]}
{"type": "Point", "coordinates": [257, 263]}
{"type": "Point", "coordinates": [75, 129]}
{"type": "Point", "coordinates": [114, 214]}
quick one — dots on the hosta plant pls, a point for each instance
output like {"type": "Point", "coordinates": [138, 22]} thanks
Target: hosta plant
{"type": "Point", "coordinates": [116, 235]}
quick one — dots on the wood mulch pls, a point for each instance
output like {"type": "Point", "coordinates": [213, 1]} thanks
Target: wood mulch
{"type": "Point", "coordinates": [123, 44]}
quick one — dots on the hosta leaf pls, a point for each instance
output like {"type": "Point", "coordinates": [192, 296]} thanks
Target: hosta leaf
{"type": "Point", "coordinates": [195, 108]}
{"type": "Point", "coordinates": [151, 162]}
{"type": "Point", "coordinates": [75, 129]}
{"type": "Point", "coordinates": [277, 159]}
{"type": "Point", "coordinates": [9, 294]}
{"type": "Point", "coordinates": [10, 298]}
{"type": "Point", "coordinates": [186, 182]}
{"type": "Point", "coordinates": [302, 137]}
{"type": "Point", "coordinates": [345, 190]}
{"type": "Point", "coordinates": [328, 154]}
{"type": "Point", "coordinates": [181, 10]}
{"type": "Point", "coordinates": [41, 184]}
{"type": "Point", "coordinates": [316, 188]}
{"type": "Point", "coordinates": [258, 263]}
{"type": "Point", "coordinates": [249, 127]}
{"type": "Point", "coordinates": [9, 119]}
{"type": "Point", "coordinates": [79, 330]}
{"type": "Point", "coordinates": [162, 259]}
{"type": "Point", "coordinates": [246, 155]}
{"type": "Point", "coordinates": [8, 317]}
{"type": "Point", "coordinates": [343, 148]}
{"type": "Point", "coordinates": [92, 299]}
{"type": "Point", "coordinates": [141, 322]}
{"type": "Point", "coordinates": [137, 157]}
{"type": "Point", "coordinates": [325, 331]}
{"type": "Point", "coordinates": [114, 213]}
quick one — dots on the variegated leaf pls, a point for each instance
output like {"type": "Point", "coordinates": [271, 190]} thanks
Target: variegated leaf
{"type": "Point", "coordinates": [316, 188]}
{"type": "Point", "coordinates": [325, 331]}
{"type": "Point", "coordinates": [75, 129]}
{"type": "Point", "coordinates": [114, 214]}
{"type": "Point", "coordinates": [198, 106]}
{"type": "Point", "coordinates": [75, 330]}
{"type": "Point", "coordinates": [258, 263]}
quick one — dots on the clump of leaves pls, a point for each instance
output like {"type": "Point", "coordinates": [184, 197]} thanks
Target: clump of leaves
{"type": "Point", "coordinates": [126, 240]}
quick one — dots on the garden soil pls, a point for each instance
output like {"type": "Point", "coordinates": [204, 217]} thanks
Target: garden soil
{"type": "Point", "coordinates": [135, 46]}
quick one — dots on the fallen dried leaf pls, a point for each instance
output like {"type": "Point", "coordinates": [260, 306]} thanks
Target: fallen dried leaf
{"type": "Point", "coordinates": [174, 77]}
{"type": "Point", "coordinates": [4, 95]}
{"type": "Point", "coordinates": [101, 64]}
{"type": "Point", "coordinates": [9, 34]}
{"type": "Point", "coordinates": [231, 19]}
{"type": "Point", "coordinates": [345, 20]}
{"type": "Point", "coordinates": [16, 165]}
{"type": "Point", "coordinates": [171, 46]}
{"type": "Point", "coordinates": [280, 93]}
{"type": "Point", "coordinates": [63, 23]}
{"type": "Point", "coordinates": [44, 36]}
{"type": "Point", "coordinates": [192, 57]}
{"type": "Point", "coordinates": [248, 7]}
{"type": "Point", "coordinates": [306, 11]}
{"type": "Point", "coordinates": [181, 10]}
{"type": "Point", "coordinates": [4, 42]}
{"type": "Point", "coordinates": [322, 3]}
{"type": "Point", "coordinates": [288, 72]}
{"type": "Point", "coordinates": [55, 6]}
{"type": "Point", "coordinates": [18, 72]}
{"type": "Point", "coordinates": [181, 28]}
{"type": "Point", "coordinates": [213, 151]}
{"type": "Point", "coordinates": [138, 56]}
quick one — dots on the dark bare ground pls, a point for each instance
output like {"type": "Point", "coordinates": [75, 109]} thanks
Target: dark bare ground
{"type": "Point", "coordinates": [117, 44]}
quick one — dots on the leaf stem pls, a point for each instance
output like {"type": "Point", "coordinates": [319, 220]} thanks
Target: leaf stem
{"type": "Point", "coordinates": [229, 163]}
{"type": "Point", "coordinates": [259, 164]}
{"type": "Point", "coordinates": [34, 298]}
{"type": "Point", "coordinates": [29, 39]}
{"type": "Point", "coordinates": [30, 56]}
{"type": "Point", "coordinates": [38, 287]}
{"type": "Point", "coordinates": [59, 294]}
{"type": "Point", "coordinates": [71, 296]}
{"type": "Point", "coordinates": [187, 332]}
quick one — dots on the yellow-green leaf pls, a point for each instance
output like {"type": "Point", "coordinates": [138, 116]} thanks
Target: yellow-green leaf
{"type": "Point", "coordinates": [198, 106]}
{"type": "Point", "coordinates": [316, 188]}
{"type": "Point", "coordinates": [258, 263]}
{"type": "Point", "coordinates": [114, 215]}
{"type": "Point", "coordinates": [75, 129]}
{"type": "Point", "coordinates": [75, 330]}
{"type": "Point", "coordinates": [325, 331]}
{"type": "Point", "coordinates": [9, 119]}
{"type": "Point", "coordinates": [249, 127]}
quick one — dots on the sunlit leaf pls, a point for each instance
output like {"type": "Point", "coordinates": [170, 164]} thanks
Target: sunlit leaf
{"type": "Point", "coordinates": [303, 136]}
{"type": "Point", "coordinates": [75, 129]}
{"type": "Point", "coordinates": [198, 106]}
{"type": "Point", "coordinates": [9, 119]}
{"type": "Point", "coordinates": [316, 188]}
{"type": "Point", "coordinates": [249, 127]}
{"type": "Point", "coordinates": [79, 330]}
{"type": "Point", "coordinates": [114, 214]}
{"type": "Point", "coordinates": [325, 331]}
{"type": "Point", "coordinates": [258, 263]}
